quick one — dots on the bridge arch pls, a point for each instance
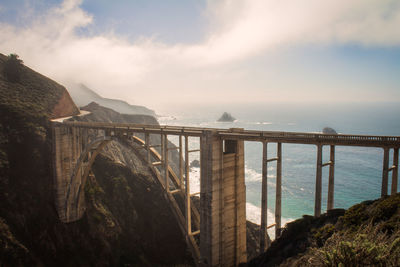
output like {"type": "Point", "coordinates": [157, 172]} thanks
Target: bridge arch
{"type": "Point", "coordinates": [75, 149]}
{"type": "Point", "coordinates": [80, 174]}
{"type": "Point", "coordinates": [74, 207]}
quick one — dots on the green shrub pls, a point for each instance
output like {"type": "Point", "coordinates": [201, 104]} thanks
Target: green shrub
{"type": "Point", "coordinates": [323, 233]}
{"type": "Point", "coordinates": [13, 68]}
{"type": "Point", "coordinates": [367, 247]}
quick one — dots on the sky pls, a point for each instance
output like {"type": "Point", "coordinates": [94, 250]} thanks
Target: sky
{"type": "Point", "coordinates": [164, 52]}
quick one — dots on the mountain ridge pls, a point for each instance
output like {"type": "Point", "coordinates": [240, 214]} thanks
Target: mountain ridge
{"type": "Point", "coordinates": [83, 95]}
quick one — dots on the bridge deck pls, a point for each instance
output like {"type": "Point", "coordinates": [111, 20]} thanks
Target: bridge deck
{"type": "Point", "coordinates": [251, 135]}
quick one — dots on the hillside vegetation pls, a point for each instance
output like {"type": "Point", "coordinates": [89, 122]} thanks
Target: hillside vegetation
{"type": "Point", "coordinates": [34, 95]}
{"type": "Point", "coordinates": [367, 234]}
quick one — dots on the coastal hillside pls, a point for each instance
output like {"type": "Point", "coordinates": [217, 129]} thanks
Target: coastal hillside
{"type": "Point", "coordinates": [127, 222]}
{"type": "Point", "coordinates": [33, 94]}
{"type": "Point", "coordinates": [83, 95]}
{"type": "Point", "coordinates": [367, 234]}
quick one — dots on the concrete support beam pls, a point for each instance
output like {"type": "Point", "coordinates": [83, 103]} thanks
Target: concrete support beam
{"type": "Point", "coordinates": [264, 200]}
{"type": "Point", "coordinates": [385, 172]}
{"type": "Point", "coordinates": [67, 150]}
{"type": "Point", "coordinates": [395, 171]}
{"type": "Point", "coordinates": [147, 144]}
{"type": "Point", "coordinates": [188, 220]}
{"type": "Point", "coordinates": [223, 198]}
{"type": "Point", "coordinates": [331, 183]}
{"type": "Point", "coordinates": [318, 182]}
{"type": "Point", "coordinates": [181, 161]}
{"type": "Point", "coordinates": [166, 163]}
{"type": "Point", "coordinates": [278, 198]}
{"type": "Point", "coordinates": [211, 177]}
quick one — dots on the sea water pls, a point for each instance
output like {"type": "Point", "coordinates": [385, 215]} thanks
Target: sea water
{"type": "Point", "coordinates": [358, 170]}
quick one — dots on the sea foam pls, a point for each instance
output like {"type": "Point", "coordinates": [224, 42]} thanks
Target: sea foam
{"type": "Point", "coordinates": [253, 213]}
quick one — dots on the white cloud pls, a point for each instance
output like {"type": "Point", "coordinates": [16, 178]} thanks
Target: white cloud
{"type": "Point", "coordinates": [253, 26]}
{"type": "Point", "coordinates": [239, 30]}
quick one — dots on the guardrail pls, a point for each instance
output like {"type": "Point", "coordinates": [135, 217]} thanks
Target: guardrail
{"type": "Point", "coordinates": [250, 135]}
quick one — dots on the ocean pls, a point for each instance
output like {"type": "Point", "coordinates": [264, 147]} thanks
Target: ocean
{"type": "Point", "coordinates": [358, 171]}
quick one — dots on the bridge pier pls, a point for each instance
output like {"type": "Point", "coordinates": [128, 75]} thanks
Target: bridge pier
{"type": "Point", "coordinates": [264, 195]}
{"type": "Point", "coordinates": [222, 202]}
{"type": "Point", "coordinates": [385, 172]}
{"type": "Point", "coordinates": [395, 171]}
{"type": "Point", "coordinates": [67, 148]}
{"type": "Point", "coordinates": [331, 182]}
{"type": "Point", "coordinates": [386, 169]}
{"type": "Point", "coordinates": [318, 180]}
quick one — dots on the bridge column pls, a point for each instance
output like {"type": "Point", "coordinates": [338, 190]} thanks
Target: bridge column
{"type": "Point", "coordinates": [222, 201]}
{"type": "Point", "coordinates": [385, 172]}
{"type": "Point", "coordinates": [278, 193]}
{"type": "Point", "coordinates": [67, 147]}
{"type": "Point", "coordinates": [395, 171]}
{"type": "Point", "coordinates": [331, 183]}
{"type": "Point", "coordinates": [264, 200]}
{"type": "Point", "coordinates": [318, 182]}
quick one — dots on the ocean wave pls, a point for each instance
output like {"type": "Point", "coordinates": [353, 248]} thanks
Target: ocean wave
{"type": "Point", "coordinates": [254, 176]}
{"type": "Point", "coordinates": [253, 214]}
{"type": "Point", "coordinates": [194, 180]}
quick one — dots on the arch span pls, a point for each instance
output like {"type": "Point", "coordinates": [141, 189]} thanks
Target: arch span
{"type": "Point", "coordinates": [75, 150]}
{"type": "Point", "coordinates": [74, 200]}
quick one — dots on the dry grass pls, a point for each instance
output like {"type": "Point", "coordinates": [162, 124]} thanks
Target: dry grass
{"type": "Point", "coordinates": [369, 246]}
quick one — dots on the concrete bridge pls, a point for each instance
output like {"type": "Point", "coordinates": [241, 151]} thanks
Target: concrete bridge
{"type": "Point", "coordinates": [216, 232]}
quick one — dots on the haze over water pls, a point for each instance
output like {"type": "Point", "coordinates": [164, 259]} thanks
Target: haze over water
{"type": "Point", "coordinates": [358, 171]}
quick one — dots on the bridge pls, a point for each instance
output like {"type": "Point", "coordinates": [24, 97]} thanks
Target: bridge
{"type": "Point", "coordinates": [215, 230]}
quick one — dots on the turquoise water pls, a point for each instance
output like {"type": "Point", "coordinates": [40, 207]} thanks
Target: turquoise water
{"type": "Point", "coordinates": [358, 171]}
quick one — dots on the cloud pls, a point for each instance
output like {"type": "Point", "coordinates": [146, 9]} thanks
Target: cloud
{"type": "Point", "coordinates": [251, 27]}
{"type": "Point", "coordinates": [239, 31]}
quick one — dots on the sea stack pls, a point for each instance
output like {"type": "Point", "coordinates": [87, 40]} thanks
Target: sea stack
{"type": "Point", "coordinates": [226, 117]}
{"type": "Point", "coordinates": [328, 130]}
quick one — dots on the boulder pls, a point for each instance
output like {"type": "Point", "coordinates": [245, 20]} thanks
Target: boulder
{"type": "Point", "coordinates": [195, 164]}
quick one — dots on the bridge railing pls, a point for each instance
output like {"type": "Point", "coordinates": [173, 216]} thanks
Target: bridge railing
{"type": "Point", "coordinates": [252, 135]}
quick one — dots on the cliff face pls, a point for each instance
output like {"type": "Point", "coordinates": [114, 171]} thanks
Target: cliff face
{"type": "Point", "coordinates": [35, 95]}
{"type": "Point", "coordinates": [65, 107]}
